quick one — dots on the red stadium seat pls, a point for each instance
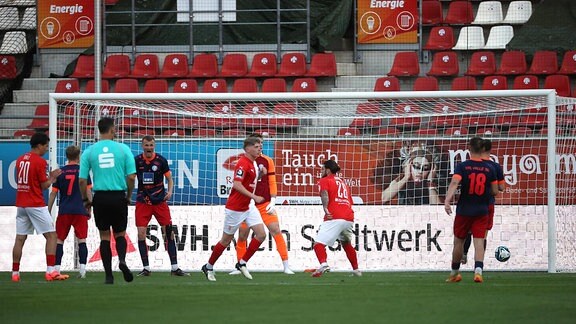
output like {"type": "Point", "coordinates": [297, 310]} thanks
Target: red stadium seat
{"type": "Point", "coordinates": [8, 68]}
{"type": "Point", "coordinates": [228, 121]}
{"type": "Point", "coordinates": [116, 67]}
{"type": "Point", "coordinates": [432, 12]}
{"type": "Point", "coordinates": [84, 67]}
{"type": "Point", "coordinates": [67, 86]}
{"type": "Point", "coordinates": [274, 85]}
{"type": "Point", "coordinates": [146, 66]}
{"type": "Point", "coordinates": [256, 109]}
{"type": "Point", "coordinates": [175, 66]}
{"type": "Point", "coordinates": [441, 39]}
{"type": "Point", "coordinates": [558, 82]}
{"type": "Point", "coordinates": [24, 133]}
{"type": "Point", "coordinates": [568, 63]}
{"type": "Point", "coordinates": [204, 66]}
{"type": "Point", "coordinates": [215, 86]}
{"type": "Point", "coordinates": [534, 117]}
{"type": "Point", "coordinates": [194, 121]}
{"type": "Point", "coordinates": [445, 116]}
{"type": "Point", "coordinates": [459, 13]}
{"type": "Point", "coordinates": [245, 85]}
{"type": "Point", "coordinates": [482, 63]}
{"type": "Point", "coordinates": [292, 65]}
{"type": "Point", "coordinates": [367, 108]}
{"type": "Point", "coordinates": [235, 65]}
{"type": "Point", "coordinates": [486, 131]}
{"type": "Point", "coordinates": [144, 132]}
{"type": "Point", "coordinates": [156, 86]}
{"type": "Point", "coordinates": [174, 132]}
{"type": "Point", "coordinates": [512, 63]}
{"type": "Point", "coordinates": [284, 122]}
{"type": "Point", "coordinates": [544, 62]}
{"type": "Point", "coordinates": [427, 132]}
{"type": "Point", "coordinates": [405, 64]}
{"type": "Point", "coordinates": [525, 82]}
{"type": "Point", "coordinates": [126, 86]}
{"type": "Point", "coordinates": [507, 121]}
{"type": "Point", "coordinates": [388, 131]}
{"type": "Point", "coordinates": [495, 82]}
{"type": "Point", "coordinates": [91, 87]}
{"type": "Point", "coordinates": [164, 120]}
{"type": "Point", "coordinates": [234, 132]}
{"type": "Point", "coordinates": [322, 65]}
{"type": "Point", "coordinates": [456, 131]}
{"type": "Point", "coordinates": [266, 132]}
{"type": "Point", "coordinates": [40, 120]}
{"type": "Point", "coordinates": [263, 65]}
{"type": "Point", "coordinates": [444, 64]}
{"type": "Point", "coordinates": [387, 84]}
{"type": "Point", "coordinates": [185, 86]}
{"type": "Point", "coordinates": [304, 85]}
{"type": "Point", "coordinates": [348, 132]}
{"type": "Point", "coordinates": [464, 83]}
{"type": "Point", "coordinates": [407, 119]}
{"type": "Point", "coordinates": [520, 131]}
{"type": "Point", "coordinates": [426, 84]}
{"type": "Point", "coordinates": [202, 132]}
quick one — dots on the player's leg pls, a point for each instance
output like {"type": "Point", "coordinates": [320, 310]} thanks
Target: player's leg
{"type": "Point", "coordinates": [232, 221]}
{"type": "Point", "coordinates": [143, 216]}
{"type": "Point", "coordinates": [24, 227]}
{"type": "Point", "coordinates": [273, 225]}
{"type": "Point", "coordinates": [479, 229]}
{"type": "Point", "coordinates": [162, 214]}
{"type": "Point", "coordinates": [63, 225]}
{"type": "Point", "coordinates": [241, 245]}
{"type": "Point", "coordinates": [81, 231]}
{"type": "Point", "coordinates": [328, 232]}
{"type": "Point", "coordinates": [467, 243]}
{"type": "Point", "coordinates": [43, 224]}
{"type": "Point", "coordinates": [346, 239]}
{"type": "Point", "coordinates": [119, 224]}
{"type": "Point", "coordinates": [460, 229]}
{"type": "Point", "coordinates": [254, 221]}
{"type": "Point", "coordinates": [101, 218]}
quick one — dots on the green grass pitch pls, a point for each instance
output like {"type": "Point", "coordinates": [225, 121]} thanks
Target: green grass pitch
{"type": "Point", "coordinates": [376, 297]}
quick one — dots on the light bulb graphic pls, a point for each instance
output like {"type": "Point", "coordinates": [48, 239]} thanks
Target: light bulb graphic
{"type": "Point", "coordinates": [370, 23]}
{"type": "Point", "coordinates": [50, 28]}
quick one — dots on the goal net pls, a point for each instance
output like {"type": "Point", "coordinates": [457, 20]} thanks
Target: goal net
{"type": "Point", "coordinates": [397, 152]}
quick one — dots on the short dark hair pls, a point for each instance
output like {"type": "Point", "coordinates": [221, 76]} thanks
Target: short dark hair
{"type": "Point", "coordinates": [39, 139]}
{"type": "Point", "coordinates": [105, 124]}
{"type": "Point", "coordinates": [251, 140]}
{"type": "Point", "coordinates": [257, 135]}
{"type": "Point", "coordinates": [72, 152]}
{"type": "Point", "coordinates": [148, 138]}
{"type": "Point", "coordinates": [487, 145]}
{"type": "Point", "coordinates": [476, 145]}
{"type": "Point", "coordinates": [332, 166]}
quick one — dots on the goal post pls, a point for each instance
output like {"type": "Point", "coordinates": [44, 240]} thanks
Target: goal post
{"type": "Point", "coordinates": [397, 151]}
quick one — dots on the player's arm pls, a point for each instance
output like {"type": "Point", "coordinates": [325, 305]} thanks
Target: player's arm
{"type": "Point", "coordinates": [237, 185]}
{"type": "Point", "coordinates": [168, 176]}
{"type": "Point", "coordinates": [130, 182]}
{"type": "Point", "coordinates": [130, 169]}
{"type": "Point", "coordinates": [52, 199]}
{"type": "Point", "coordinates": [272, 185]}
{"type": "Point", "coordinates": [325, 198]}
{"type": "Point", "coordinates": [495, 187]}
{"type": "Point", "coordinates": [451, 192]}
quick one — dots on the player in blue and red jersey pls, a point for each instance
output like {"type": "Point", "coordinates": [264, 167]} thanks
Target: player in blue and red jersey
{"type": "Point", "coordinates": [71, 211]}
{"type": "Point", "coordinates": [240, 208]}
{"type": "Point", "coordinates": [151, 200]}
{"type": "Point", "coordinates": [478, 182]}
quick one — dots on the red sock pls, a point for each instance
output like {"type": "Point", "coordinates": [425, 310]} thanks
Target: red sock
{"type": "Point", "coordinates": [16, 266]}
{"type": "Point", "coordinates": [351, 254]}
{"type": "Point", "coordinates": [216, 253]}
{"type": "Point", "coordinates": [50, 260]}
{"type": "Point", "coordinates": [320, 250]}
{"type": "Point", "coordinates": [252, 248]}
{"type": "Point", "coordinates": [240, 249]}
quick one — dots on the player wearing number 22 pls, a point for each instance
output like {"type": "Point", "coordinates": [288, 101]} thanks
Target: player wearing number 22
{"type": "Point", "coordinates": [479, 182]}
{"type": "Point", "coordinates": [338, 218]}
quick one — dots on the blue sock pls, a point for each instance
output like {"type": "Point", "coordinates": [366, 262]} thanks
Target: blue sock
{"type": "Point", "coordinates": [172, 251]}
{"type": "Point", "coordinates": [478, 264]}
{"type": "Point", "coordinates": [143, 249]}
{"type": "Point", "coordinates": [82, 253]}
{"type": "Point", "coordinates": [59, 253]}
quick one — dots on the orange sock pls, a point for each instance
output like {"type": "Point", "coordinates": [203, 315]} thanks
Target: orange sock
{"type": "Point", "coordinates": [240, 249]}
{"type": "Point", "coordinates": [281, 246]}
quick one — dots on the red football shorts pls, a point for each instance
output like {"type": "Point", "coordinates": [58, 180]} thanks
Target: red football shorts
{"type": "Point", "coordinates": [65, 221]}
{"type": "Point", "coordinates": [477, 225]}
{"type": "Point", "coordinates": [266, 218]}
{"type": "Point", "coordinates": [490, 216]}
{"type": "Point", "coordinates": [144, 213]}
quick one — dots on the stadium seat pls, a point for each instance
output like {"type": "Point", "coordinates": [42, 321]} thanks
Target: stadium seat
{"type": "Point", "coordinates": [534, 117]}
{"type": "Point", "coordinates": [544, 63]}
{"type": "Point", "coordinates": [482, 63]}
{"type": "Point", "coordinates": [274, 85]}
{"type": "Point", "coordinates": [390, 83]}
{"type": "Point", "coordinates": [91, 86]}
{"type": "Point", "coordinates": [155, 86]}
{"type": "Point", "coordinates": [441, 38]}
{"type": "Point", "coordinates": [284, 108]}
{"type": "Point", "coordinates": [520, 131]}
{"type": "Point", "coordinates": [145, 67]}
{"type": "Point", "coordinates": [202, 132]}
{"type": "Point", "coordinates": [512, 63]}
{"type": "Point", "coordinates": [190, 122]}
{"type": "Point", "coordinates": [459, 13]}
{"type": "Point", "coordinates": [525, 82]}
{"type": "Point", "coordinates": [263, 65]}
{"type": "Point", "coordinates": [444, 63]}
{"type": "Point", "coordinates": [234, 65]}
{"type": "Point", "coordinates": [566, 116]}
{"type": "Point", "coordinates": [23, 133]}
{"type": "Point", "coordinates": [67, 86]}
{"type": "Point", "coordinates": [163, 120]}
{"type": "Point", "coordinates": [558, 82]}
{"type": "Point", "coordinates": [175, 66]}
{"type": "Point", "coordinates": [388, 131]}
{"type": "Point", "coordinates": [568, 63]}
{"type": "Point", "coordinates": [234, 132]}
{"type": "Point", "coordinates": [445, 116]}
{"type": "Point", "coordinates": [174, 133]}
{"type": "Point", "coordinates": [348, 132]}
{"type": "Point", "coordinates": [10, 19]}
{"type": "Point", "coordinates": [489, 13]}
{"type": "Point", "coordinates": [456, 131]}
{"type": "Point", "coordinates": [518, 12]}
{"type": "Point", "coordinates": [29, 19]}
{"type": "Point", "coordinates": [405, 64]}
{"type": "Point", "coordinates": [126, 86]}
{"type": "Point", "coordinates": [366, 108]}
{"type": "Point", "coordinates": [407, 120]}
{"type": "Point", "coordinates": [204, 66]}
{"type": "Point", "coordinates": [478, 121]}
{"type": "Point", "coordinates": [304, 85]}
{"type": "Point", "coordinates": [427, 132]}
{"type": "Point", "coordinates": [432, 12]}
{"type": "Point", "coordinates": [86, 118]}
{"type": "Point", "coordinates": [223, 122]}
{"type": "Point", "coordinates": [116, 67]}
{"type": "Point", "coordinates": [429, 83]}
{"type": "Point", "coordinates": [486, 131]}
{"type": "Point", "coordinates": [495, 82]}
{"type": "Point", "coordinates": [256, 109]}
{"type": "Point", "coordinates": [292, 65]}
{"type": "Point", "coordinates": [507, 121]}
{"type": "Point", "coordinates": [266, 132]}
{"type": "Point", "coordinates": [322, 65]}
{"type": "Point", "coordinates": [185, 86]}
{"type": "Point", "coordinates": [84, 67]}
{"type": "Point", "coordinates": [470, 38]}
{"type": "Point", "coordinates": [499, 37]}
{"type": "Point", "coordinates": [40, 120]}
{"type": "Point", "coordinates": [215, 86]}
{"type": "Point", "coordinates": [8, 68]}
{"type": "Point", "coordinates": [245, 85]}
{"type": "Point", "coordinates": [144, 131]}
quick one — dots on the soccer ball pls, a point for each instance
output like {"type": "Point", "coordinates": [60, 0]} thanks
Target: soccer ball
{"type": "Point", "coordinates": [502, 253]}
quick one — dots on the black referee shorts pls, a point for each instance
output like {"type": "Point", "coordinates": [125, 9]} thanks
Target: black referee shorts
{"type": "Point", "coordinates": [110, 210]}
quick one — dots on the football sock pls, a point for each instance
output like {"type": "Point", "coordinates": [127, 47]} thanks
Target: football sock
{"type": "Point", "coordinates": [467, 243]}
{"type": "Point", "coordinates": [16, 266]}
{"type": "Point", "coordinates": [252, 248]}
{"type": "Point", "coordinates": [106, 254]}
{"type": "Point", "coordinates": [143, 249]}
{"type": "Point", "coordinates": [351, 254]}
{"type": "Point", "coordinates": [121, 248]}
{"type": "Point", "coordinates": [59, 253]}
{"type": "Point", "coordinates": [478, 266]}
{"type": "Point", "coordinates": [82, 253]}
{"type": "Point", "coordinates": [50, 260]}
{"type": "Point", "coordinates": [172, 251]}
{"type": "Point", "coordinates": [281, 246]}
{"type": "Point", "coordinates": [241, 246]}
{"type": "Point", "coordinates": [82, 267]}
{"type": "Point", "coordinates": [216, 253]}
{"type": "Point", "coordinates": [455, 266]}
{"type": "Point", "coordinates": [320, 250]}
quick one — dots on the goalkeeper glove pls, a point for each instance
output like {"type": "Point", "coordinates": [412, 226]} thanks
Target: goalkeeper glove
{"type": "Point", "coordinates": [270, 207]}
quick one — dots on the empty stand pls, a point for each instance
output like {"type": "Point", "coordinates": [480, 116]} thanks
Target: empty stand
{"type": "Point", "coordinates": [29, 19]}
{"type": "Point", "coordinates": [512, 63]}
{"type": "Point", "coordinates": [174, 132]}
{"type": "Point", "coordinates": [489, 13]}
{"type": "Point", "coordinates": [518, 12]}
{"type": "Point", "coordinates": [274, 85]}
{"type": "Point", "coordinates": [234, 65]}
{"type": "Point", "coordinates": [202, 132]}
{"type": "Point", "coordinates": [388, 131]}
{"type": "Point", "coordinates": [204, 66]}
{"type": "Point", "coordinates": [67, 86]}
{"type": "Point", "coordinates": [8, 69]}
{"type": "Point", "coordinates": [407, 120]}
{"type": "Point", "coordinates": [256, 109]}
{"type": "Point", "coordinates": [215, 86]}
{"type": "Point", "coordinates": [126, 86]}
{"type": "Point", "coordinates": [40, 120]}
{"type": "Point", "coordinates": [482, 63]}
{"type": "Point", "coordinates": [441, 38]}
{"type": "Point", "coordinates": [322, 65]}
{"type": "Point", "coordinates": [405, 64]}
{"type": "Point", "coordinates": [470, 38]}
{"type": "Point", "coordinates": [116, 67]}
{"type": "Point", "coordinates": [304, 85]}
{"type": "Point", "coordinates": [444, 63]}
{"type": "Point", "coordinates": [84, 67]}
{"type": "Point", "coordinates": [495, 82]}
{"type": "Point", "coordinates": [477, 121]}
{"type": "Point", "coordinates": [145, 67]}
{"type": "Point", "coordinates": [284, 122]}
{"type": "Point", "coordinates": [499, 37]}
{"type": "Point", "coordinates": [245, 85]}
{"type": "Point", "coordinates": [266, 132]}
{"type": "Point", "coordinates": [558, 82]}
{"type": "Point", "coordinates": [348, 132]}
{"type": "Point", "coordinates": [459, 13]}
{"type": "Point", "coordinates": [544, 62]}
{"type": "Point", "coordinates": [10, 19]}
{"type": "Point", "coordinates": [164, 120]}
{"type": "Point", "coordinates": [525, 82]}
{"type": "Point", "coordinates": [427, 132]}
{"type": "Point", "coordinates": [293, 64]}
{"type": "Point", "coordinates": [445, 116]}
{"type": "Point", "coordinates": [91, 86]}
{"type": "Point", "coordinates": [568, 63]}
{"type": "Point", "coordinates": [227, 121]}
{"type": "Point", "coordinates": [195, 121]}
{"type": "Point", "coordinates": [520, 131]}
{"type": "Point", "coordinates": [263, 65]}
{"type": "Point", "coordinates": [185, 86]}
{"type": "Point", "coordinates": [390, 83]}
{"type": "Point", "coordinates": [432, 12]}
{"type": "Point", "coordinates": [456, 131]}
{"type": "Point", "coordinates": [234, 132]}
{"type": "Point", "coordinates": [175, 66]}
{"type": "Point", "coordinates": [429, 83]}
{"type": "Point", "coordinates": [464, 83]}
{"type": "Point", "coordinates": [366, 108]}
{"type": "Point", "coordinates": [155, 86]}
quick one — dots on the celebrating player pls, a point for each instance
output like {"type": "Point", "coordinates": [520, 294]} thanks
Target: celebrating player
{"type": "Point", "coordinates": [478, 182]}
{"type": "Point", "coordinates": [71, 211]}
{"type": "Point", "coordinates": [240, 208]}
{"type": "Point", "coordinates": [31, 212]}
{"type": "Point", "coordinates": [266, 187]}
{"type": "Point", "coordinates": [114, 171]}
{"type": "Point", "coordinates": [338, 218]}
{"type": "Point", "coordinates": [152, 197]}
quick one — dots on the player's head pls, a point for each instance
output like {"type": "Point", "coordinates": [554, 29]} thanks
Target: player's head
{"type": "Point", "coordinates": [330, 166]}
{"type": "Point", "coordinates": [257, 135]}
{"type": "Point", "coordinates": [476, 145]}
{"type": "Point", "coordinates": [106, 126]}
{"type": "Point", "coordinates": [252, 147]}
{"type": "Point", "coordinates": [72, 153]}
{"type": "Point", "coordinates": [148, 145]}
{"type": "Point", "coordinates": [487, 146]}
{"type": "Point", "coordinates": [39, 141]}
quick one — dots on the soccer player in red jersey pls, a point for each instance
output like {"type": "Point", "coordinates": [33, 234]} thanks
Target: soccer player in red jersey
{"type": "Point", "coordinates": [338, 218]}
{"type": "Point", "coordinates": [152, 200]}
{"type": "Point", "coordinates": [71, 211]}
{"type": "Point", "coordinates": [240, 208]}
{"type": "Point", "coordinates": [267, 188]}
{"type": "Point", "coordinates": [478, 183]}
{"type": "Point", "coordinates": [32, 213]}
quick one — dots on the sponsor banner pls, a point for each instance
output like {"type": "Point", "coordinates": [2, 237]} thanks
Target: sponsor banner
{"type": "Point", "coordinates": [65, 23]}
{"type": "Point", "coordinates": [387, 22]}
{"type": "Point", "coordinates": [386, 238]}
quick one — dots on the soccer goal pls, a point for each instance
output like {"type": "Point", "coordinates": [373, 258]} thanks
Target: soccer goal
{"type": "Point", "coordinates": [397, 151]}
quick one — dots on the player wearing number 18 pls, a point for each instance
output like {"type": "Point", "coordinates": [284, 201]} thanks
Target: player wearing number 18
{"type": "Point", "coordinates": [479, 183]}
